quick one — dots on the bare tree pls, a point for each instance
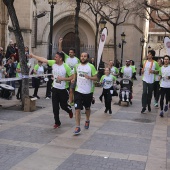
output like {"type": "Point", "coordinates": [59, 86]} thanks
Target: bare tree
{"type": "Point", "coordinates": [156, 12]}
{"type": "Point", "coordinates": [77, 40]}
{"type": "Point", "coordinates": [20, 43]}
{"type": "Point", "coordinates": [115, 12]}
{"type": "Point", "coordinates": [94, 7]}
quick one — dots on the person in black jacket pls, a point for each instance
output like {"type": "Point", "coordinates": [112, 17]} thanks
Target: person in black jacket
{"type": "Point", "coordinates": [11, 71]}
{"type": "Point", "coordinates": [10, 50]}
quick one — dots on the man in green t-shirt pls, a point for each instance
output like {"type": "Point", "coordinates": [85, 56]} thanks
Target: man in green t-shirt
{"type": "Point", "coordinates": [61, 75]}
{"type": "Point", "coordinates": [71, 60]}
{"type": "Point", "coordinates": [85, 73]}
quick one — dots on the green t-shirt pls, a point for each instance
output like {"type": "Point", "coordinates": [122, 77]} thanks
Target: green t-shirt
{"type": "Point", "coordinates": [107, 81]}
{"type": "Point", "coordinates": [127, 71]}
{"type": "Point", "coordinates": [71, 61]}
{"type": "Point", "coordinates": [85, 86]}
{"type": "Point", "coordinates": [18, 74]}
{"type": "Point", "coordinates": [60, 70]}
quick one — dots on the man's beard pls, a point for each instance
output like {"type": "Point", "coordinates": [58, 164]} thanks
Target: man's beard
{"type": "Point", "coordinates": [84, 62]}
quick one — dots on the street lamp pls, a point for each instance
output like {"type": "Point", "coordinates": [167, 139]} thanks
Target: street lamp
{"type": "Point", "coordinates": [142, 44]}
{"type": "Point", "coordinates": [49, 83]}
{"type": "Point", "coordinates": [149, 48]}
{"type": "Point", "coordinates": [123, 41]}
{"type": "Point", "coordinates": [52, 3]}
{"type": "Point", "coordinates": [102, 24]}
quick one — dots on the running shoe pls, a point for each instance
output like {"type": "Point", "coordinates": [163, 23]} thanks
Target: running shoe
{"type": "Point", "coordinates": [100, 98]}
{"type": "Point", "coordinates": [70, 114]}
{"type": "Point", "coordinates": [71, 104]}
{"type": "Point", "coordinates": [110, 111]}
{"type": "Point", "coordinates": [77, 131]}
{"type": "Point", "coordinates": [93, 100]}
{"type": "Point", "coordinates": [166, 108]}
{"type": "Point", "coordinates": [149, 108]}
{"type": "Point", "coordinates": [161, 114]}
{"type": "Point", "coordinates": [87, 123]}
{"type": "Point", "coordinates": [105, 111]}
{"type": "Point", "coordinates": [56, 126]}
{"type": "Point", "coordinates": [143, 110]}
{"type": "Point", "coordinates": [156, 105]}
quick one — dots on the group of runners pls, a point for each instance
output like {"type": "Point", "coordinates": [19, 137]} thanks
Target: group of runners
{"type": "Point", "coordinates": [73, 83]}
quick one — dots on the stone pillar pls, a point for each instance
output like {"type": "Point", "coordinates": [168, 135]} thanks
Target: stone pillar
{"type": "Point", "coordinates": [3, 25]}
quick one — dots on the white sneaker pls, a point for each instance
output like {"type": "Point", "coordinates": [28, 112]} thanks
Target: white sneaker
{"type": "Point", "coordinates": [123, 100]}
{"type": "Point", "coordinates": [127, 100]}
{"type": "Point", "coordinates": [47, 98]}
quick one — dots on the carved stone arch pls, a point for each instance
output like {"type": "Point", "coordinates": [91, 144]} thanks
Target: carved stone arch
{"type": "Point", "coordinates": [61, 15]}
{"type": "Point", "coordinates": [66, 30]}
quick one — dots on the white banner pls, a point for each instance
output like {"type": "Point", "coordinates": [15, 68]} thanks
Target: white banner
{"type": "Point", "coordinates": [23, 77]}
{"type": "Point", "coordinates": [101, 45]}
{"type": "Point", "coordinates": [167, 45]}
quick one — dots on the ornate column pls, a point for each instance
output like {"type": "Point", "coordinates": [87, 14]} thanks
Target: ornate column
{"type": "Point", "coordinates": [3, 25]}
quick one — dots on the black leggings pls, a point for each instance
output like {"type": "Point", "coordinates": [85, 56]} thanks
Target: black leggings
{"type": "Point", "coordinates": [19, 94]}
{"type": "Point", "coordinates": [107, 98]}
{"type": "Point", "coordinates": [156, 89]}
{"type": "Point", "coordinates": [37, 85]}
{"type": "Point", "coordinates": [164, 91]}
{"type": "Point", "coordinates": [60, 99]}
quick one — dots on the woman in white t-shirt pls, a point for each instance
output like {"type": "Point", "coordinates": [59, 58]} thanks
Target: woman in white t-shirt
{"type": "Point", "coordinates": [165, 85]}
{"type": "Point", "coordinates": [107, 81]}
{"type": "Point", "coordinates": [38, 70]}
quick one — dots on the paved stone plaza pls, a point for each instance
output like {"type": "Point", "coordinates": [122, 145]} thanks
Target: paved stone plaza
{"type": "Point", "coordinates": [125, 140]}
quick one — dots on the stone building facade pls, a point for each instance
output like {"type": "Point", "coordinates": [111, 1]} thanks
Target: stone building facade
{"type": "Point", "coordinates": [157, 34]}
{"type": "Point", "coordinates": [3, 25]}
{"type": "Point", "coordinates": [36, 30]}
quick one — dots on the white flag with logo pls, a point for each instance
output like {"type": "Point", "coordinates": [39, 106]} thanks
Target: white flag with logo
{"type": "Point", "coordinates": [167, 45]}
{"type": "Point", "coordinates": [101, 45]}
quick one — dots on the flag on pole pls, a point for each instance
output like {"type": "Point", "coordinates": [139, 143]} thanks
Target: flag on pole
{"type": "Point", "coordinates": [167, 45]}
{"type": "Point", "coordinates": [101, 45]}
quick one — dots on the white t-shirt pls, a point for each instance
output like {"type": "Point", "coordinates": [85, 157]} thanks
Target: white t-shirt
{"type": "Point", "coordinates": [149, 77]}
{"type": "Point", "coordinates": [107, 81]}
{"type": "Point", "coordinates": [40, 70]}
{"type": "Point", "coordinates": [84, 85]}
{"type": "Point", "coordinates": [62, 71]}
{"type": "Point", "coordinates": [71, 61]}
{"type": "Point", "coordinates": [127, 72]}
{"type": "Point", "coordinates": [165, 73]}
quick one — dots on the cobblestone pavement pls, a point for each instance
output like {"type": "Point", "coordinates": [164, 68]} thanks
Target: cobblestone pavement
{"type": "Point", "coordinates": [125, 140]}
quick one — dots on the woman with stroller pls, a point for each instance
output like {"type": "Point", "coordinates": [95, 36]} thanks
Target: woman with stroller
{"type": "Point", "coordinates": [107, 81]}
{"type": "Point", "coordinates": [127, 72]}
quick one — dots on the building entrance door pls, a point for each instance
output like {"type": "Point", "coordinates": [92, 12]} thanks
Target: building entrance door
{"type": "Point", "coordinates": [68, 42]}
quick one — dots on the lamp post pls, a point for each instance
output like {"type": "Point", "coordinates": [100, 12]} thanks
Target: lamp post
{"type": "Point", "coordinates": [149, 48]}
{"type": "Point", "coordinates": [142, 44]}
{"type": "Point", "coordinates": [49, 83]}
{"type": "Point", "coordinates": [123, 41]}
{"type": "Point", "coordinates": [102, 24]}
{"type": "Point", "coordinates": [52, 3]}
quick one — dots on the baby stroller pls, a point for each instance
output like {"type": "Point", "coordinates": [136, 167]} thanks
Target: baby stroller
{"type": "Point", "coordinates": [125, 94]}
